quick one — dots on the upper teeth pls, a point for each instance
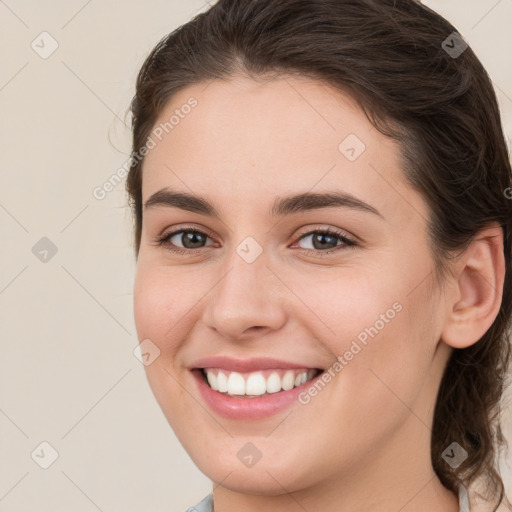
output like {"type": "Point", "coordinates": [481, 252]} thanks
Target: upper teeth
{"type": "Point", "coordinates": [256, 383]}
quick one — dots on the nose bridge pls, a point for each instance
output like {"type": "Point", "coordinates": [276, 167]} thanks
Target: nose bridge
{"type": "Point", "coordinates": [245, 296]}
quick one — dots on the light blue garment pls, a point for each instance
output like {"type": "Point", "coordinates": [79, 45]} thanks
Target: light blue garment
{"type": "Point", "coordinates": [206, 504]}
{"type": "Point", "coordinates": [463, 500]}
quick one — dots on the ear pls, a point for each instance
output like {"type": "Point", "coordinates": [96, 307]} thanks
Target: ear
{"type": "Point", "coordinates": [475, 296]}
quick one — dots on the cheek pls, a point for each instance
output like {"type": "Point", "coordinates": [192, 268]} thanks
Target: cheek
{"type": "Point", "coordinates": [162, 306]}
{"type": "Point", "coordinates": [351, 303]}
{"type": "Point", "coordinates": [392, 369]}
{"type": "Point", "coordinates": [381, 337]}
{"type": "Point", "coordinates": [162, 300]}
{"type": "Point", "coordinates": [378, 326]}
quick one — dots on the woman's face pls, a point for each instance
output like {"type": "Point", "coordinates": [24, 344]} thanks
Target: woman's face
{"type": "Point", "coordinates": [263, 297]}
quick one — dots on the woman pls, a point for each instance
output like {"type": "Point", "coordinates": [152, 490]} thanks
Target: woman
{"type": "Point", "coordinates": [323, 234]}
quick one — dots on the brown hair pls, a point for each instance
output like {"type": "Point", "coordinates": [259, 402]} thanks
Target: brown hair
{"type": "Point", "coordinates": [397, 59]}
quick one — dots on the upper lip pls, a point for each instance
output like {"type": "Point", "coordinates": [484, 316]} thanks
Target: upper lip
{"type": "Point", "coordinates": [246, 365]}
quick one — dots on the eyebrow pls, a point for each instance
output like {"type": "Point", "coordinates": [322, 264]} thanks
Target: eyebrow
{"type": "Point", "coordinates": [282, 205]}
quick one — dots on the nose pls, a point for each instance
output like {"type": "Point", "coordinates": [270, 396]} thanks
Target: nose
{"type": "Point", "coordinates": [247, 302]}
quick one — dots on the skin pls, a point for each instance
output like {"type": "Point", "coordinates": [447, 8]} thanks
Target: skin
{"type": "Point", "coordinates": [244, 144]}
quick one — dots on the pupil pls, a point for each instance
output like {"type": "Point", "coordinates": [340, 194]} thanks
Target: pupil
{"type": "Point", "coordinates": [191, 238]}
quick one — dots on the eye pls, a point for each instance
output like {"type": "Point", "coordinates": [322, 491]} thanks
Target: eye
{"type": "Point", "coordinates": [192, 239]}
{"type": "Point", "coordinates": [325, 241]}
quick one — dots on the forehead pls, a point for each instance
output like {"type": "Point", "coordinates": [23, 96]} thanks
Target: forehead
{"type": "Point", "coordinates": [248, 138]}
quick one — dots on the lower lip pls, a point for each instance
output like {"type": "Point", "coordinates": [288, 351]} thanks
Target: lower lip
{"type": "Point", "coordinates": [248, 408]}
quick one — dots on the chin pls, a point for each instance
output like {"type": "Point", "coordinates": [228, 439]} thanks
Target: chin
{"type": "Point", "coordinates": [269, 475]}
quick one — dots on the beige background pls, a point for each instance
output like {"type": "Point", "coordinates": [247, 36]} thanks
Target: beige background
{"type": "Point", "coordinates": [67, 372]}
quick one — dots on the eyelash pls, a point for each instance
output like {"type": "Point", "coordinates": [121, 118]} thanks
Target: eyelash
{"type": "Point", "coordinates": [163, 241]}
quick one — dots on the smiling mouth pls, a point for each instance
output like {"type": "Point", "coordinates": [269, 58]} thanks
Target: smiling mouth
{"type": "Point", "coordinates": [258, 383]}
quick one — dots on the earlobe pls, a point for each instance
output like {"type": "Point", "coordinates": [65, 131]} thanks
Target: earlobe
{"type": "Point", "coordinates": [477, 291]}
